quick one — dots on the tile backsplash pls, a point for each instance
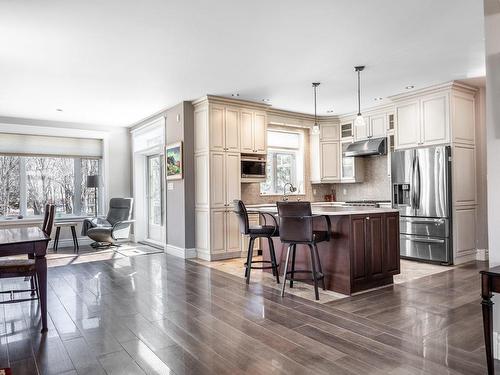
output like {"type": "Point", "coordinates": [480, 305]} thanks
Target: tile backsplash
{"type": "Point", "coordinates": [376, 184]}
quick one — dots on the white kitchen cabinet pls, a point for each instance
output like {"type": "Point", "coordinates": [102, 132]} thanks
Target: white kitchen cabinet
{"type": "Point", "coordinates": [330, 161]}
{"type": "Point", "coordinates": [225, 185]}
{"type": "Point", "coordinates": [362, 132]}
{"type": "Point", "coordinates": [329, 132]}
{"type": "Point", "coordinates": [216, 132]}
{"type": "Point", "coordinates": [378, 126]}
{"type": "Point", "coordinates": [232, 129]}
{"type": "Point", "coordinates": [408, 124]}
{"type": "Point", "coordinates": [224, 128]}
{"type": "Point", "coordinates": [346, 131]}
{"type": "Point", "coordinates": [253, 132]}
{"type": "Point", "coordinates": [435, 127]}
{"type": "Point", "coordinates": [225, 232]}
{"type": "Point", "coordinates": [247, 131]}
{"type": "Point", "coordinates": [260, 135]}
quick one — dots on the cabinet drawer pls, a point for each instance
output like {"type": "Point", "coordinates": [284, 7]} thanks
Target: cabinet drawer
{"type": "Point", "coordinates": [424, 226]}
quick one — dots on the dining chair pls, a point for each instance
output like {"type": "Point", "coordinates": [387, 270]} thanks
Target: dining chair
{"type": "Point", "coordinates": [297, 228]}
{"type": "Point", "coordinates": [10, 268]}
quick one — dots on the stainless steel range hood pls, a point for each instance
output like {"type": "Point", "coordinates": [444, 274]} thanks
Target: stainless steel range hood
{"type": "Point", "coordinates": [369, 147]}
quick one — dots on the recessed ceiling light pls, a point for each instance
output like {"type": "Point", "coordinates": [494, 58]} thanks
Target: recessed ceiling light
{"type": "Point", "coordinates": [409, 87]}
{"type": "Point", "coordinates": [330, 111]}
{"type": "Point", "coordinates": [235, 94]}
{"type": "Point", "coordinates": [378, 99]}
{"type": "Point", "coordinates": [266, 100]}
{"type": "Point", "coordinates": [59, 110]}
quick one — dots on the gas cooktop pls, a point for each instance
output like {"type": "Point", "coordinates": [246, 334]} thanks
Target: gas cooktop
{"type": "Point", "coordinates": [366, 202]}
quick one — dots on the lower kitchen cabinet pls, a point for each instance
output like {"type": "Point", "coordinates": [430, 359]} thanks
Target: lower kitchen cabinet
{"type": "Point", "coordinates": [374, 248]}
{"type": "Point", "coordinates": [224, 232]}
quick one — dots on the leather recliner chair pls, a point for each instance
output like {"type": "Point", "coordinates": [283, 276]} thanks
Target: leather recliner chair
{"type": "Point", "coordinates": [116, 226]}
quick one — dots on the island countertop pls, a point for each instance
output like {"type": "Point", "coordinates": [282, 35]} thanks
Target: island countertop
{"type": "Point", "coordinates": [330, 210]}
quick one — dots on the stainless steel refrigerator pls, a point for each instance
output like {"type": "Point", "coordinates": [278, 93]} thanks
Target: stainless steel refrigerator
{"type": "Point", "coordinates": [421, 191]}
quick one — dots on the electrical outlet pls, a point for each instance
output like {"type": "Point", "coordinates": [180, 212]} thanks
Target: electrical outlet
{"type": "Point", "coordinates": [314, 191]}
{"type": "Point", "coordinates": [344, 191]}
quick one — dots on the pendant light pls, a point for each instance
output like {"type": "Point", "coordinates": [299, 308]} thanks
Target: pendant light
{"type": "Point", "coordinates": [315, 129]}
{"type": "Point", "coordinates": [360, 121]}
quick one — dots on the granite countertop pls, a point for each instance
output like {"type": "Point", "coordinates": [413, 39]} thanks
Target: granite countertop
{"type": "Point", "coordinates": [329, 209]}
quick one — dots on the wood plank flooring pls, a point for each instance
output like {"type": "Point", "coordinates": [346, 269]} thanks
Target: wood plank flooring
{"type": "Point", "coordinates": [157, 314]}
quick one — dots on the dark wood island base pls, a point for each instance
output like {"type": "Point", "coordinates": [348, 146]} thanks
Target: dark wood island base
{"type": "Point", "coordinates": [362, 254]}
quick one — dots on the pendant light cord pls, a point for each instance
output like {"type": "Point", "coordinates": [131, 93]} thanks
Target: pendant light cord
{"type": "Point", "coordinates": [359, 96]}
{"type": "Point", "coordinates": [315, 116]}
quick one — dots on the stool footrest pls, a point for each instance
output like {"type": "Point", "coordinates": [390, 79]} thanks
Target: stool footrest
{"type": "Point", "coordinates": [262, 267]}
{"type": "Point", "coordinates": [319, 275]}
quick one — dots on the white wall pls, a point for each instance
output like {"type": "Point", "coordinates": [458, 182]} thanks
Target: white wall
{"type": "Point", "coordinates": [492, 35]}
{"type": "Point", "coordinates": [119, 163]}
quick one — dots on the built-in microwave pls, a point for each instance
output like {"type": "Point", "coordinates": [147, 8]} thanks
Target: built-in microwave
{"type": "Point", "coordinates": [253, 168]}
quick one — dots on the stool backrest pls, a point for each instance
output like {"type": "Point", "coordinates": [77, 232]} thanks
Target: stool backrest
{"type": "Point", "coordinates": [295, 221]}
{"type": "Point", "coordinates": [48, 219]}
{"type": "Point", "coordinates": [241, 211]}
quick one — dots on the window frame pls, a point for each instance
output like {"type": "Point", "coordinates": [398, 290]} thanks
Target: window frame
{"type": "Point", "coordinates": [77, 185]}
{"type": "Point", "coordinates": [298, 154]}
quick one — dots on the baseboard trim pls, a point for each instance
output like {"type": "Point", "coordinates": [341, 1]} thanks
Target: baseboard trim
{"type": "Point", "coordinates": [180, 252]}
{"type": "Point", "coordinates": [482, 254]}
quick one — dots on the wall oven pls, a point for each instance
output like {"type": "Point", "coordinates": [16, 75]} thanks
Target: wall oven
{"type": "Point", "coordinates": [253, 168]}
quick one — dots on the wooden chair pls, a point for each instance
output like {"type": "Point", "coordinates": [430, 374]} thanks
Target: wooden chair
{"type": "Point", "coordinates": [26, 267]}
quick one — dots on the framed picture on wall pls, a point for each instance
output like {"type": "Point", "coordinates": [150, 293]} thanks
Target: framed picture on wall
{"type": "Point", "coordinates": [174, 165]}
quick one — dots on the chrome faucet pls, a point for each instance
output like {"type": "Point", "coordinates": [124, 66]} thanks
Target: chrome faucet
{"type": "Point", "coordinates": [292, 189]}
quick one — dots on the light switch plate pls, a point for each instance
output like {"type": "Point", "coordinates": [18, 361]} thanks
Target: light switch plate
{"type": "Point", "coordinates": [170, 186]}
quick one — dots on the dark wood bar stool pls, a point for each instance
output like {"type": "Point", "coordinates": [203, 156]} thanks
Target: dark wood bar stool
{"type": "Point", "coordinates": [296, 228]}
{"type": "Point", "coordinates": [254, 232]}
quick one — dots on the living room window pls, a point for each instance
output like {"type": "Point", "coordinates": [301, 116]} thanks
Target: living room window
{"type": "Point", "coordinates": [285, 162]}
{"type": "Point", "coordinates": [27, 183]}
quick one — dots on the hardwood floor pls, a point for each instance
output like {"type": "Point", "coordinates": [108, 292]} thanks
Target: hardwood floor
{"type": "Point", "coordinates": [157, 314]}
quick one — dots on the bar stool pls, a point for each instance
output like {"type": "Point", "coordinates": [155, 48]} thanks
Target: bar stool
{"type": "Point", "coordinates": [296, 228]}
{"type": "Point", "coordinates": [254, 232]}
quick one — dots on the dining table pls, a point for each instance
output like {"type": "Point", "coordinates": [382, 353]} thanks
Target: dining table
{"type": "Point", "coordinates": [30, 241]}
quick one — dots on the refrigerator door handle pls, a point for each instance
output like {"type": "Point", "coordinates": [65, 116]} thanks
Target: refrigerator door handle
{"type": "Point", "coordinates": [424, 239]}
{"type": "Point", "coordinates": [417, 186]}
{"type": "Point", "coordinates": [412, 179]}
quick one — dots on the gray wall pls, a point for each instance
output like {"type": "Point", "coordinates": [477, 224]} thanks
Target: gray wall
{"type": "Point", "coordinates": [180, 200]}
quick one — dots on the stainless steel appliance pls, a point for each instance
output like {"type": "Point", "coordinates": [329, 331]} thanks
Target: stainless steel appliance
{"type": "Point", "coordinates": [421, 191]}
{"type": "Point", "coordinates": [368, 147]}
{"type": "Point", "coordinates": [253, 168]}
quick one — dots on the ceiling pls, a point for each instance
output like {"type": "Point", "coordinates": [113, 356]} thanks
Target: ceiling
{"type": "Point", "coordinates": [116, 62]}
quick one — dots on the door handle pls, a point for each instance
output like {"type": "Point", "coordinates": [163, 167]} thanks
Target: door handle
{"type": "Point", "coordinates": [425, 240]}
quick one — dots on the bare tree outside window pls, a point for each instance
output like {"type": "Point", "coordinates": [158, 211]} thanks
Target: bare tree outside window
{"type": "Point", "coordinates": [9, 185]}
{"type": "Point", "coordinates": [27, 183]}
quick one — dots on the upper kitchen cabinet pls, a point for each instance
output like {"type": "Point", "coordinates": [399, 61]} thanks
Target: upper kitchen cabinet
{"type": "Point", "coordinates": [224, 128]}
{"type": "Point", "coordinates": [376, 125]}
{"type": "Point", "coordinates": [253, 132]}
{"type": "Point", "coordinates": [329, 132]}
{"type": "Point", "coordinates": [442, 114]}
{"type": "Point", "coordinates": [329, 161]}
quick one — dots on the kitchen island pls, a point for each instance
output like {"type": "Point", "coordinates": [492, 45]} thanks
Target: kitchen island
{"type": "Point", "coordinates": [363, 251]}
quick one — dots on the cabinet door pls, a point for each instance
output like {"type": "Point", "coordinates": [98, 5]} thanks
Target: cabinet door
{"type": "Point", "coordinates": [375, 245]}
{"type": "Point", "coordinates": [435, 119]}
{"type": "Point", "coordinates": [361, 132]}
{"type": "Point", "coordinates": [330, 161]}
{"type": "Point", "coordinates": [347, 165]}
{"type": "Point", "coordinates": [391, 250]}
{"type": "Point", "coordinates": [232, 177]}
{"type": "Point", "coordinates": [246, 142]}
{"type": "Point", "coordinates": [217, 231]}
{"type": "Point", "coordinates": [378, 126]}
{"type": "Point", "coordinates": [217, 179]}
{"type": "Point", "coordinates": [358, 238]}
{"type": "Point", "coordinates": [329, 132]}
{"type": "Point", "coordinates": [408, 124]}
{"type": "Point", "coordinates": [216, 128]}
{"type": "Point", "coordinates": [232, 129]}
{"type": "Point", "coordinates": [259, 134]}
{"type": "Point", "coordinates": [233, 235]}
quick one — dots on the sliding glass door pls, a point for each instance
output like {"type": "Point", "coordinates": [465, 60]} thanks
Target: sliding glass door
{"type": "Point", "coordinates": [154, 198]}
